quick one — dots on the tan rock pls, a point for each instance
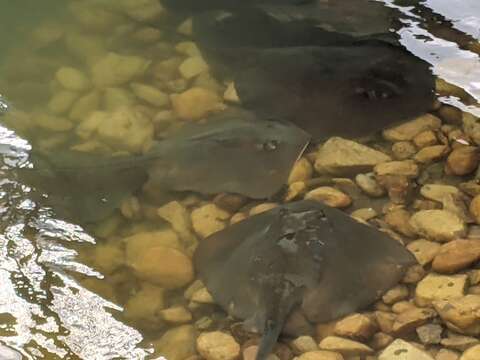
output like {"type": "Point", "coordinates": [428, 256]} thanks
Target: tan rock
{"type": "Point", "coordinates": [431, 153]}
{"type": "Point", "coordinates": [250, 353]}
{"type": "Point", "coordinates": [402, 306]}
{"type": "Point", "coordinates": [459, 342]}
{"type": "Point", "coordinates": [196, 103]}
{"type": "Point", "coordinates": [178, 217]}
{"type": "Point", "coordinates": [395, 294]}
{"type": "Point", "coordinates": [344, 346]}
{"type": "Point", "coordinates": [217, 345]}
{"type": "Point", "coordinates": [261, 208]}
{"type": "Point", "coordinates": [208, 219]}
{"type": "Point", "coordinates": [414, 274]}
{"type": "Point", "coordinates": [446, 354]}
{"type": "Point", "coordinates": [385, 321]}
{"type": "Point", "coordinates": [192, 67]}
{"type": "Point", "coordinates": [425, 138]}
{"type": "Point", "coordinates": [409, 320]}
{"type": "Point", "coordinates": [424, 250]}
{"type": "Point", "coordinates": [475, 208]}
{"type": "Point", "coordinates": [177, 343]}
{"type": "Point", "coordinates": [302, 171]}
{"type": "Point", "coordinates": [357, 326]}
{"type": "Point", "coordinates": [329, 196]}
{"type": "Point", "coordinates": [202, 296]}
{"type": "Point", "coordinates": [398, 220]}
{"type": "Point", "coordinates": [380, 341]}
{"type": "Point", "coordinates": [369, 185]}
{"type": "Point", "coordinates": [430, 334]}
{"type": "Point", "coordinates": [403, 150]}
{"type": "Point", "coordinates": [176, 315]}
{"type": "Point", "coordinates": [463, 160]}
{"type": "Point", "coordinates": [343, 157]}
{"type": "Point", "coordinates": [321, 355]}
{"type": "Point", "coordinates": [436, 287]}
{"type": "Point", "coordinates": [438, 225]}
{"type": "Point", "coordinates": [471, 354]}
{"type": "Point", "coordinates": [72, 79]}
{"type": "Point", "coordinates": [461, 314]}
{"type": "Point", "coordinates": [399, 187]}
{"type": "Point", "coordinates": [437, 192]}
{"type": "Point", "coordinates": [164, 266]}
{"type": "Point", "coordinates": [402, 350]}
{"type": "Point", "coordinates": [144, 305]}
{"type": "Point", "coordinates": [230, 202]}
{"type": "Point", "coordinates": [407, 131]}
{"type": "Point", "coordinates": [456, 255]}
{"type": "Point", "coordinates": [364, 214]}
{"type": "Point", "coordinates": [406, 168]}
{"type": "Point", "coordinates": [303, 344]}
{"type": "Point", "coordinates": [150, 94]}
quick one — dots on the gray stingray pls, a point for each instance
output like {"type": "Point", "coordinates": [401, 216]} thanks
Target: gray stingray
{"type": "Point", "coordinates": [302, 256]}
{"type": "Point", "coordinates": [347, 91]}
{"type": "Point", "coordinates": [230, 152]}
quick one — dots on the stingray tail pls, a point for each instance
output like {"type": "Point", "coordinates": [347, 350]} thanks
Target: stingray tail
{"type": "Point", "coordinates": [269, 339]}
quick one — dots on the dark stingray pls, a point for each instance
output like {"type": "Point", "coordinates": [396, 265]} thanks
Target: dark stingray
{"type": "Point", "coordinates": [305, 256]}
{"type": "Point", "coordinates": [343, 91]}
{"type": "Point", "coordinates": [231, 152]}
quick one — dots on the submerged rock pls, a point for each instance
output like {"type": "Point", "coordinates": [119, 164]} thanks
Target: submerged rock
{"type": "Point", "coordinates": [438, 225]}
{"type": "Point", "coordinates": [217, 345]}
{"type": "Point", "coordinates": [340, 156]}
{"type": "Point", "coordinates": [409, 130]}
{"type": "Point", "coordinates": [436, 287]}
{"type": "Point", "coordinates": [177, 343]}
{"type": "Point", "coordinates": [402, 350]}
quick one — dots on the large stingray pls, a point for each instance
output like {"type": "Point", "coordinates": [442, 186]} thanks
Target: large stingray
{"type": "Point", "coordinates": [343, 91]}
{"type": "Point", "coordinates": [230, 152]}
{"type": "Point", "coordinates": [305, 256]}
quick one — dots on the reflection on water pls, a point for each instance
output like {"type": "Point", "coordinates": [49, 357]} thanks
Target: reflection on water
{"type": "Point", "coordinates": [100, 291]}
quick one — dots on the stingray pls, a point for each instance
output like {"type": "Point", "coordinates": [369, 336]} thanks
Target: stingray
{"type": "Point", "coordinates": [348, 91]}
{"type": "Point", "coordinates": [233, 152]}
{"type": "Point", "coordinates": [303, 256]}
{"type": "Point", "coordinates": [229, 152]}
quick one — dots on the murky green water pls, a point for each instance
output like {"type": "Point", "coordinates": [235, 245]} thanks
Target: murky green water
{"type": "Point", "coordinates": [93, 292]}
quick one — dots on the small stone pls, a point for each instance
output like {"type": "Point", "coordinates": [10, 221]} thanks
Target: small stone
{"type": "Point", "coordinates": [409, 320]}
{"type": "Point", "coordinates": [380, 341]}
{"type": "Point", "coordinates": [339, 156]}
{"type": "Point", "coordinates": [430, 334]}
{"type": "Point", "coordinates": [177, 343]}
{"type": "Point", "coordinates": [402, 350]}
{"type": "Point", "coordinates": [437, 192]}
{"type": "Point", "coordinates": [344, 346]}
{"type": "Point", "coordinates": [320, 355]}
{"type": "Point", "coordinates": [231, 94]}
{"type": "Point", "coordinates": [150, 94]}
{"type": "Point", "coordinates": [202, 296]}
{"type": "Point", "coordinates": [369, 185]}
{"type": "Point", "coordinates": [295, 190]}
{"type": "Point", "coordinates": [176, 315]}
{"type": "Point", "coordinates": [385, 321]}
{"type": "Point", "coordinates": [72, 79]}
{"type": "Point", "coordinates": [229, 202]}
{"type": "Point", "coordinates": [395, 294]}
{"type": "Point", "coordinates": [357, 326]}
{"type": "Point", "coordinates": [403, 150]}
{"type": "Point", "coordinates": [164, 266]}
{"type": "Point", "coordinates": [438, 225]}
{"type": "Point", "coordinates": [208, 219]}
{"type": "Point", "coordinates": [237, 218]}
{"type": "Point", "coordinates": [399, 187]}
{"type": "Point", "coordinates": [407, 131]}
{"type": "Point", "coordinates": [461, 314]}
{"type": "Point", "coordinates": [145, 305]}
{"type": "Point", "coordinates": [329, 196]}
{"type": "Point", "coordinates": [186, 27]}
{"type": "Point", "coordinates": [192, 67]}
{"type": "Point", "coordinates": [456, 255]}
{"type": "Point", "coordinates": [463, 160]}
{"type": "Point", "coordinates": [471, 354]}
{"type": "Point", "coordinates": [414, 274]}
{"type": "Point", "coordinates": [436, 287]}
{"type": "Point", "coordinates": [398, 220]}
{"type": "Point", "coordinates": [430, 154]}
{"type": "Point", "coordinates": [196, 103]}
{"type": "Point", "coordinates": [250, 353]}
{"type": "Point", "coordinates": [261, 208]}
{"type": "Point", "coordinates": [406, 168]}
{"type": "Point", "coordinates": [217, 345]}
{"type": "Point", "coordinates": [303, 344]}
{"type": "Point", "coordinates": [364, 214]}
{"type": "Point", "coordinates": [188, 48]}
{"type": "Point", "coordinates": [475, 208]}
{"type": "Point", "coordinates": [445, 354]}
{"type": "Point", "coordinates": [424, 250]}
{"type": "Point", "coordinates": [402, 306]}
{"type": "Point", "coordinates": [425, 138]}
{"type": "Point", "coordinates": [177, 215]}
{"type": "Point", "coordinates": [302, 171]}
{"type": "Point", "coordinates": [459, 342]}
{"type": "Point", "coordinates": [62, 101]}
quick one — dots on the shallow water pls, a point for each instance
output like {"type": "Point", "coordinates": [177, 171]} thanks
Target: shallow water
{"type": "Point", "coordinates": [64, 287]}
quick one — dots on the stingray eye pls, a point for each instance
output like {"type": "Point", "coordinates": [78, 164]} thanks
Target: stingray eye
{"type": "Point", "coordinates": [270, 145]}
{"type": "Point", "coordinates": [289, 236]}
{"type": "Point", "coordinates": [322, 216]}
